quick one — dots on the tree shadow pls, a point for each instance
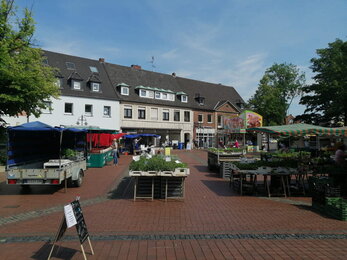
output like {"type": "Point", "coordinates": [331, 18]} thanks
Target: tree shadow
{"type": "Point", "coordinates": [123, 190]}
{"type": "Point", "coordinates": [59, 252]}
{"type": "Point", "coordinates": [221, 188]}
{"type": "Point", "coordinates": [206, 171]}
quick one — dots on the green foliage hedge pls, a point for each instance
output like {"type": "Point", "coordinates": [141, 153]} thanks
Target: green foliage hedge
{"type": "Point", "coordinates": [226, 150]}
{"type": "Point", "coordinates": [156, 163]}
{"type": "Point", "coordinates": [257, 164]}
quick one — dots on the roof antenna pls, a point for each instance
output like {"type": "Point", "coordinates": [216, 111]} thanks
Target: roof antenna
{"type": "Point", "coordinates": [152, 62]}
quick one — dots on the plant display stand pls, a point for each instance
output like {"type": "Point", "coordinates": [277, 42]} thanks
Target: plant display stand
{"type": "Point", "coordinates": [214, 159]}
{"type": "Point", "coordinates": [159, 185]}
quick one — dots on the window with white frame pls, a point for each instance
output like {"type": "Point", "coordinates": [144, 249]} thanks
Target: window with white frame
{"type": "Point", "coordinates": [200, 118]}
{"type": "Point", "coordinates": [157, 95]}
{"type": "Point", "coordinates": [77, 85]}
{"type": "Point", "coordinates": [209, 118]}
{"type": "Point", "coordinates": [177, 115]}
{"type": "Point", "coordinates": [146, 93]}
{"type": "Point", "coordinates": [88, 110]}
{"type": "Point", "coordinates": [95, 87]}
{"type": "Point", "coordinates": [154, 113]}
{"type": "Point", "coordinates": [220, 121]}
{"type": "Point", "coordinates": [107, 111]}
{"type": "Point", "coordinates": [141, 113]}
{"type": "Point", "coordinates": [166, 116]}
{"type": "Point", "coordinates": [128, 112]}
{"type": "Point", "coordinates": [48, 109]}
{"type": "Point", "coordinates": [186, 116]}
{"type": "Point", "coordinates": [184, 98]}
{"type": "Point", "coordinates": [124, 91]}
{"type": "Point", "coordinates": [68, 108]}
{"type": "Point", "coordinates": [164, 96]}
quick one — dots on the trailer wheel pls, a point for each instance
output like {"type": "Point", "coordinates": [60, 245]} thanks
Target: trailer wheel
{"type": "Point", "coordinates": [78, 182]}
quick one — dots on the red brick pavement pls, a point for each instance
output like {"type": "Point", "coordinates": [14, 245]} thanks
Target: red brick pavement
{"type": "Point", "coordinates": [97, 182]}
{"type": "Point", "coordinates": [210, 207]}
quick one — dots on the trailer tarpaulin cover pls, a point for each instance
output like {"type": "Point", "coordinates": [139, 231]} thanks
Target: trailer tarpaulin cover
{"type": "Point", "coordinates": [36, 141]}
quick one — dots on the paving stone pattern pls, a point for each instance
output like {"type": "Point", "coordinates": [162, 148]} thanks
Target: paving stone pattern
{"type": "Point", "coordinates": [212, 222]}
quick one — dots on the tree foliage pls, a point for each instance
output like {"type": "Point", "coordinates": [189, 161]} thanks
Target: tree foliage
{"type": "Point", "coordinates": [326, 98]}
{"type": "Point", "coordinates": [278, 87]}
{"type": "Point", "coordinates": [25, 82]}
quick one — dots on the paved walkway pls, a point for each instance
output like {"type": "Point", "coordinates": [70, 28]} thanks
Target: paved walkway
{"type": "Point", "coordinates": [212, 222]}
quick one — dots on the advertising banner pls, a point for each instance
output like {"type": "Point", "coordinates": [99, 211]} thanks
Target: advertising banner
{"type": "Point", "coordinates": [239, 123]}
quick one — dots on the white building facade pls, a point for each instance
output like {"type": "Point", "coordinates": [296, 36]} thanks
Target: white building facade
{"type": "Point", "coordinates": [76, 111]}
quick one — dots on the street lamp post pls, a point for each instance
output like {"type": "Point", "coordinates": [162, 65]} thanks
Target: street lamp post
{"type": "Point", "coordinates": [82, 120]}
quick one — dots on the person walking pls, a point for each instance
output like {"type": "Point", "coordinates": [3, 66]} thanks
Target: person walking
{"type": "Point", "coordinates": [115, 152]}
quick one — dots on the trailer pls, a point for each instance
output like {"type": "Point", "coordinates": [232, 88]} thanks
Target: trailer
{"type": "Point", "coordinates": [35, 155]}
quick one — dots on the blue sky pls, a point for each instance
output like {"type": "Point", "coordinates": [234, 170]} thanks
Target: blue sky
{"type": "Point", "coordinates": [229, 42]}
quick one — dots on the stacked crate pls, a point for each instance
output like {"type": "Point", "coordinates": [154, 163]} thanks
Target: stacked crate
{"type": "Point", "coordinates": [327, 199]}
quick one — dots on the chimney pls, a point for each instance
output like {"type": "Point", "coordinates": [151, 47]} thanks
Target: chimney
{"type": "Point", "coordinates": [137, 67]}
{"type": "Point", "coordinates": [173, 74]}
{"type": "Point", "coordinates": [101, 60]}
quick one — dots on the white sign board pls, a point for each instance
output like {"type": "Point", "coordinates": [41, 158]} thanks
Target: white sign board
{"type": "Point", "coordinates": [69, 216]}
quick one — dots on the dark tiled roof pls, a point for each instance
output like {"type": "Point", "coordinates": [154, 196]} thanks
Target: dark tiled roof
{"type": "Point", "coordinates": [111, 75]}
{"type": "Point", "coordinates": [212, 93]}
{"type": "Point", "coordinates": [81, 72]}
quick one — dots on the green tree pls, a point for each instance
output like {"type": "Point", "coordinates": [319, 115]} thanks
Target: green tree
{"type": "Point", "coordinates": [278, 87]}
{"type": "Point", "coordinates": [326, 98]}
{"type": "Point", "coordinates": [25, 82]}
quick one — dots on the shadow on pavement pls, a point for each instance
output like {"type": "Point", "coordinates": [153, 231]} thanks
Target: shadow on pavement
{"type": "Point", "coordinates": [6, 189]}
{"type": "Point", "coordinates": [59, 252]}
{"type": "Point", "coordinates": [221, 188]}
{"type": "Point", "coordinates": [124, 189]}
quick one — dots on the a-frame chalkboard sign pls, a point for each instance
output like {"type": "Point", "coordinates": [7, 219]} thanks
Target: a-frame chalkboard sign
{"type": "Point", "coordinates": [79, 222]}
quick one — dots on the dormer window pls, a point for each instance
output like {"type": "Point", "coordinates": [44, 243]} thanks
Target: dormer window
{"type": "Point", "coordinates": [95, 87]}
{"type": "Point", "coordinates": [75, 81]}
{"type": "Point", "coordinates": [76, 85]}
{"type": "Point", "coordinates": [199, 99]}
{"type": "Point", "coordinates": [182, 96]}
{"type": "Point", "coordinates": [124, 91]}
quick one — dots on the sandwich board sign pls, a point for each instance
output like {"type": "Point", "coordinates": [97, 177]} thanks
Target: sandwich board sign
{"type": "Point", "coordinates": [73, 216]}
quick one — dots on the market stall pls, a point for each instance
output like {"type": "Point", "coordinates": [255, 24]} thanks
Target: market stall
{"type": "Point", "coordinates": [99, 146]}
{"type": "Point", "coordinates": [138, 143]}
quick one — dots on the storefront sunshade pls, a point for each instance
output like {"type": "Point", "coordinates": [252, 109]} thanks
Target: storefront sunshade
{"type": "Point", "coordinates": [300, 130]}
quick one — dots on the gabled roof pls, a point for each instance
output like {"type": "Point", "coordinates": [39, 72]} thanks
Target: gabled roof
{"type": "Point", "coordinates": [74, 75]}
{"type": "Point", "coordinates": [112, 75]}
{"type": "Point", "coordinates": [223, 102]}
{"type": "Point", "coordinates": [82, 65]}
{"type": "Point", "coordinates": [94, 78]}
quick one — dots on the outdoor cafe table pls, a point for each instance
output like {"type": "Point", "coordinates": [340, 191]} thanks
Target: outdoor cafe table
{"type": "Point", "coordinates": [250, 177]}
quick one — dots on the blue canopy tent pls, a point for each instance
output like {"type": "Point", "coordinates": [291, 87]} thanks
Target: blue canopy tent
{"type": "Point", "coordinates": [132, 145]}
{"type": "Point", "coordinates": [37, 141]}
